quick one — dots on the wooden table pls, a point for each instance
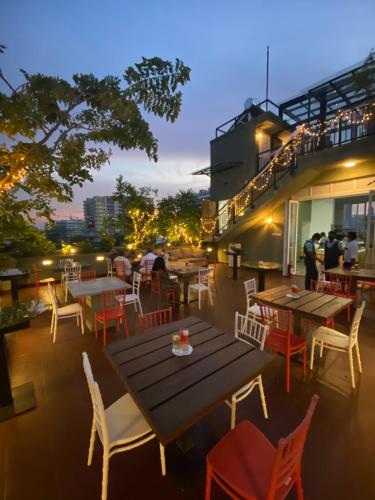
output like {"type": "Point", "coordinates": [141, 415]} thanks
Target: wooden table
{"type": "Point", "coordinates": [92, 290]}
{"type": "Point", "coordinates": [262, 268]}
{"type": "Point", "coordinates": [317, 307]}
{"type": "Point", "coordinates": [174, 393]}
{"type": "Point", "coordinates": [13, 275]}
{"type": "Point", "coordinates": [185, 274]}
{"type": "Point", "coordinates": [355, 274]}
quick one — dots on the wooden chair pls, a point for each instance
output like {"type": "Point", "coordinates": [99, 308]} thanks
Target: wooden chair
{"type": "Point", "coordinates": [202, 286]}
{"type": "Point", "coordinates": [112, 310]}
{"type": "Point", "coordinates": [280, 338]}
{"type": "Point", "coordinates": [248, 329]}
{"type": "Point", "coordinates": [343, 288]}
{"type": "Point", "coordinates": [156, 288]}
{"type": "Point", "coordinates": [69, 311]}
{"type": "Point", "coordinates": [155, 318]}
{"type": "Point", "coordinates": [42, 282]}
{"type": "Point", "coordinates": [334, 340]}
{"type": "Point", "coordinates": [120, 427]}
{"type": "Point", "coordinates": [246, 465]}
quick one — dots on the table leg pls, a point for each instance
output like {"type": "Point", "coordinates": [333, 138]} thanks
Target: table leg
{"type": "Point", "coordinates": [186, 282]}
{"type": "Point", "coordinates": [235, 266]}
{"type": "Point", "coordinates": [14, 289]}
{"type": "Point", "coordinates": [261, 279]}
{"type": "Point", "coordinates": [5, 390]}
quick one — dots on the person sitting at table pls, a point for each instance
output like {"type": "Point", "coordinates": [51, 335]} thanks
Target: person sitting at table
{"type": "Point", "coordinates": [149, 256]}
{"type": "Point", "coordinates": [165, 255]}
{"type": "Point", "coordinates": [125, 261]}
{"type": "Point", "coordinates": [351, 250]}
{"type": "Point", "coordinates": [332, 251]}
{"type": "Point", "coordinates": [165, 281]}
{"type": "Point", "coordinates": [310, 260]}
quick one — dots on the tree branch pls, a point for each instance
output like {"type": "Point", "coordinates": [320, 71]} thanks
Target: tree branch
{"type": "Point", "coordinates": [2, 77]}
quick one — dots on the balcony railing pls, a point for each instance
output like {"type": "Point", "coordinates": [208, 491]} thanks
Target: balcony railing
{"type": "Point", "coordinates": [346, 127]}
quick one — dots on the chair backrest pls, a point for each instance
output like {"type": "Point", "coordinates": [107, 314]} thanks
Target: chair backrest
{"type": "Point", "coordinates": [279, 321]}
{"type": "Point", "coordinates": [72, 272]}
{"type": "Point", "coordinates": [250, 330]}
{"type": "Point", "coordinates": [354, 329]}
{"type": "Point", "coordinates": [52, 297]}
{"type": "Point", "coordinates": [155, 318]}
{"type": "Point", "coordinates": [204, 275]}
{"type": "Point", "coordinates": [113, 299]}
{"type": "Point", "coordinates": [155, 282]}
{"type": "Point", "coordinates": [137, 278]}
{"type": "Point", "coordinates": [148, 265]}
{"type": "Point", "coordinates": [250, 288]}
{"type": "Point", "coordinates": [323, 286]}
{"type": "Point", "coordinates": [88, 275]}
{"type": "Point", "coordinates": [119, 267]}
{"type": "Point", "coordinates": [109, 265]}
{"type": "Point", "coordinates": [288, 456]}
{"type": "Point", "coordinates": [343, 284]}
{"type": "Point", "coordinates": [212, 267]}
{"type": "Point", "coordinates": [97, 401]}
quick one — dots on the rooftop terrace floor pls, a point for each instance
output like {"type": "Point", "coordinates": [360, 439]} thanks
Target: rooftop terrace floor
{"type": "Point", "coordinates": [43, 453]}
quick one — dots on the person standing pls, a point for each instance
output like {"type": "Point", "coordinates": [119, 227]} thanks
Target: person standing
{"type": "Point", "coordinates": [332, 251]}
{"type": "Point", "coordinates": [351, 250]}
{"type": "Point", "coordinates": [323, 239]}
{"type": "Point", "coordinates": [310, 260]}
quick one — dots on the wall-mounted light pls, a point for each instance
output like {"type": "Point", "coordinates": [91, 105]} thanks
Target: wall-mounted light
{"type": "Point", "coordinates": [350, 163]}
{"type": "Point", "coordinates": [129, 246]}
{"type": "Point", "coordinates": [209, 249]}
{"type": "Point", "coordinates": [100, 258]}
{"type": "Point", "coordinates": [269, 220]}
{"type": "Point", "coordinates": [139, 256]}
{"type": "Point", "coordinates": [46, 262]}
{"type": "Point", "coordinates": [258, 135]}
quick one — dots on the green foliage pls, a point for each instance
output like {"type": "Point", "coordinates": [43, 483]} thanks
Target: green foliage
{"type": "Point", "coordinates": [364, 79]}
{"type": "Point", "coordinates": [107, 242]}
{"type": "Point", "coordinates": [85, 246]}
{"type": "Point", "coordinates": [58, 132]}
{"type": "Point", "coordinates": [32, 244]}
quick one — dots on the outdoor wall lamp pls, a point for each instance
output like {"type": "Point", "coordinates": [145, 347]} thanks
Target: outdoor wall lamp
{"type": "Point", "coordinates": [100, 258]}
{"type": "Point", "coordinates": [269, 220]}
{"type": "Point", "coordinates": [209, 249]}
{"type": "Point", "coordinates": [46, 262]}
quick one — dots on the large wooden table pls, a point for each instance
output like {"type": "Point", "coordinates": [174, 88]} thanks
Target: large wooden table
{"type": "Point", "coordinates": [185, 274]}
{"type": "Point", "coordinates": [317, 307]}
{"type": "Point", "coordinates": [13, 275]}
{"type": "Point", "coordinates": [262, 268]}
{"type": "Point", "coordinates": [174, 393]}
{"type": "Point", "coordinates": [92, 290]}
{"type": "Point", "coordinates": [355, 275]}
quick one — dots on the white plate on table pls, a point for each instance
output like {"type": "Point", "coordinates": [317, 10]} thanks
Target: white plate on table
{"type": "Point", "coordinates": [183, 353]}
{"type": "Point", "coordinates": [292, 296]}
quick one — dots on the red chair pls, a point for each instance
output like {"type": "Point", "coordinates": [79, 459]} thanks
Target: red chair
{"type": "Point", "coordinates": [40, 282]}
{"type": "Point", "coordinates": [343, 288]}
{"type": "Point", "coordinates": [113, 310]}
{"type": "Point", "coordinates": [280, 338]}
{"type": "Point", "coordinates": [246, 465]}
{"type": "Point", "coordinates": [156, 288]}
{"type": "Point", "coordinates": [155, 318]}
{"type": "Point", "coordinates": [119, 268]}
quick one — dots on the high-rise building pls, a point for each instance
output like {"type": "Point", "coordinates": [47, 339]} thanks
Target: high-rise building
{"type": "Point", "coordinates": [65, 230]}
{"type": "Point", "coordinates": [100, 214]}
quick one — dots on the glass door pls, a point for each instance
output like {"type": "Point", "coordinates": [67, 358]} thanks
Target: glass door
{"type": "Point", "coordinates": [370, 230]}
{"type": "Point", "coordinates": [290, 236]}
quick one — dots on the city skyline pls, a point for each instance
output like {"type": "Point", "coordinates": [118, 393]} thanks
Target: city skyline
{"type": "Point", "coordinates": [224, 46]}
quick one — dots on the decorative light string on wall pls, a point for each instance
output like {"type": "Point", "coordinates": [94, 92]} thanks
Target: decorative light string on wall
{"type": "Point", "coordinates": [237, 205]}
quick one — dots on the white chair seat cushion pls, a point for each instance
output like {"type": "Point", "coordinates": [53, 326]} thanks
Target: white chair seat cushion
{"type": "Point", "coordinates": [254, 309]}
{"type": "Point", "coordinates": [124, 420]}
{"type": "Point", "coordinates": [198, 286]}
{"type": "Point", "coordinates": [69, 309]}
{"type": "Point", "coordinates": [131, 297]}
{"type": "Point", "coordinates": [331, 337]}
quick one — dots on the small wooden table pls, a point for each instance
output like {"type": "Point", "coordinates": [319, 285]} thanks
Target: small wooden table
{"type": "Point", "coordinates": [315, 306]}
{"type": "Point", "coordinates": [185, 274]}
{"type": "Point", "coordinates": [92, 290]}
{"type": "Point", "coordinates": [355, 274]}
{"type": "Point", "coordinates": [13, 275]}
{"type": "Point", "coordinates": [173, 393]}
{"type": "Point", "coordinates": [262, 268]}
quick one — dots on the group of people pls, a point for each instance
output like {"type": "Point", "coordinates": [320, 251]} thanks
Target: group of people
{"type": "Point", "coordinates": [333, 250]}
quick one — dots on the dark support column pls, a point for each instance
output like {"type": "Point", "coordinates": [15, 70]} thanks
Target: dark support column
{"type": "Point", "coordinates": [323, 115]}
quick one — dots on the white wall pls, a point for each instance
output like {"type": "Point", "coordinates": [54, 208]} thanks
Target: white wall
{"type": "Point", "coordinates": [322, 215]}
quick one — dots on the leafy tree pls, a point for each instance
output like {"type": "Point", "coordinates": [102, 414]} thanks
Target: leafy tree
{"type": "Point", "coordinates": [85, 246]}
{"type": "Point", "coordinates": [107, 242]}
{"type": "Point", "coordinates": [57, 132]}
{"type": "Point", "coordinates": [33, 243]}
{"type": "Point", "coordinates": [364, 78]}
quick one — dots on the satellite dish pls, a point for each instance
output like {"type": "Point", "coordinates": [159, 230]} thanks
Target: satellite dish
{"type": "Point", "coordinates": [250, 101]}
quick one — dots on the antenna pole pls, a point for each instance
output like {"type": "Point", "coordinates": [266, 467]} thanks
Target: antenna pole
{"type": "Point", "coordinates": [267, 75]}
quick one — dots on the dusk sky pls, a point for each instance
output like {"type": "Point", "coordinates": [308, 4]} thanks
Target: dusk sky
{"type": "Point", "coordinates": [223, 42]}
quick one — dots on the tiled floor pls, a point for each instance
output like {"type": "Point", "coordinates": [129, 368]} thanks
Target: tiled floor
{"type": "Point", "coordinates": [43, 452]}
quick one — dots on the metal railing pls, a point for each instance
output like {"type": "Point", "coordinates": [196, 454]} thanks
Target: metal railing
{"type": "Point", "coordinates": [348, 127]}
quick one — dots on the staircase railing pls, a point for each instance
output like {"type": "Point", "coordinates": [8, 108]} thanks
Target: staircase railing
{"type": "Point", "coordinates": [345, 127]}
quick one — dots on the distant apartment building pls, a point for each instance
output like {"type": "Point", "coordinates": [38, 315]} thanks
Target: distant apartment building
{"type": "Point", "coordinates": [65, 230]}
{"type": "Point", "coordinates": [100, 214]}
{"type": "Point", "coordinates": [203, 194]}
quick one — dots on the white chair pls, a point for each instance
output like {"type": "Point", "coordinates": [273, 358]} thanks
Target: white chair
{"type": "Point", "coordinates": [121, 427]}
{"type": "Point", "coordinates": [203, 285]}
{"type": "Point", "coordinates": [72, 273]}
{"type": "Point", "coordinates": [332, 339]}
{"type": "Point", "coordinates": [133, 298]}
{"type": "Point", "coordinates": [250, 288]}
{"type": "Point", "coordinates": [109, 267]}
{"type": "Point", "coordinates": [249, 330]}
{"type": "Point", "coordinates": [70, 311]}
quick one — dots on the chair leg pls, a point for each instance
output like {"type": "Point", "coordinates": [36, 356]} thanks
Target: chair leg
{"type": "Point", "coordinates": [321, 349]}
{"type": "Point", "coordinates": [298, 480]}
{"type": "Point", "coordinates": [52, 322]}
{"type": "Point", "coordinates": [262, 397]}
{"type": "Point", "coordinates": [104, 333]}
{"type": "Point", "coordinates": [105, 474]}
{"type": "Point", "coordinates": [140, 306]}
{"type": "Point", "coordinates": [287, 374]}
{"type": "Point", "coordinates": [208, 482]}
{"type": "Point", "coordinates": [92, 441]}
{"type": "Point", "coordinates": [233, 407]}
{"type": "Point", "coordinates": [304, 361]}
{"type": "Point", "coordinates": [82, 324]}
{"type": "Point", "coordinates": [312, 354]}
{"type": "Point", "coordinates": [348, 311]}
{"type": "Point", "coordinates": [55, 329]}
{"type": "Point", "coordinates": [125, 324]}
{"type": "Point", "coordinates": [199, 300]}
{"type": "Point", "coordinates": [96, 329]}
{"type": "Point", "coordinates": [351, 367]}
{"type": "Point", "coordinates": [162, 460]}
{"type": "Point", "coordinates": [358, 357]}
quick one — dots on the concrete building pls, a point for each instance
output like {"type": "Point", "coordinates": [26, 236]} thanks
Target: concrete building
{"type": "Point", "coordinates": [100, 214]}
{"type": "Point", "coordinates": [279, 173]}
{"type": "Point", "coordinates": [65, 230]}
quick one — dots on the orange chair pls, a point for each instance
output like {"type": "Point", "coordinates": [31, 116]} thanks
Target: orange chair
{"type": "Point", "coordinates": [40, 282]}
{"type": "Point", "coordinates": [155, 318]}
{"type": "Point", "coordinates": [280, 338]}
{"type": "Point", "coordinates": [119, 268]}
{"type": "Point", "coordinates": [156, 288]}
{"type": "Point", "coordinates": [245, 464]}
{"type": "Point", "coordinates": [343, 288]}
{"type": "Point", "coordinates": [113, 310]}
